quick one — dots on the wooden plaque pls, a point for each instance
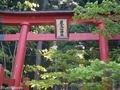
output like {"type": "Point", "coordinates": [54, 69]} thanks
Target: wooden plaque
{"type": "Point", "coordinates": [61, 28]}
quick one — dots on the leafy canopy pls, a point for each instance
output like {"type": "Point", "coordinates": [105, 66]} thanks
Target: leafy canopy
{"type": "Point", "coordinates": [108, 12]}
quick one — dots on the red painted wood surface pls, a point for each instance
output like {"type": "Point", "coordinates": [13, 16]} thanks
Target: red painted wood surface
{"type": "Point", "coordinates": [51, 37]}
{"type": "Point", "coordinates": [25, 87]}
{"type": "Point", "coordinates": [1, 76]}
{"type": "Point", "coordinates": [103, 45]}
{"type": "Point", "coordinates": [20, 55]}
{"type": "Point", "coordinates": [8, 81]}
{"type": "Point", "coordinates": [38, 18]}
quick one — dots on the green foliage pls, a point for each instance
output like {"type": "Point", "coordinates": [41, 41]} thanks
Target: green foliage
{"type": "Point", "coordinates": [43, 29]}
{"type": "Point", "coordinates": [93, 75]}
{"type": "Point", "coordinates": [70, 57]}
{"type": "Point", "coordinates": [44, 84]}
{"type": "Point", "coordinates": [31, 68]}
{"type": "Point", "coordinates": [37, 5]}
{"type": "Point", "coordinates": [66, 45]}
{"type": "Point", "coordinates": [81, 28]}
{"type": "Point", "coordinates": [115, 55]}
{"type": "Point", "coordinates": [59, 61]}
{"type": "Point", "coordinates": [108, 12]}
{"type": "Point", "coordinates": [9, 29]}
{"type": "Point", "coordinates": [4, 55]}
{"type": "Point", "coordinates": [21, 5]}
{"type": "Point", "coordinates": [90, 77]}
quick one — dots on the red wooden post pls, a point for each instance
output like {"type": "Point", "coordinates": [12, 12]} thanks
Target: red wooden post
{"type": "Point", "coordinates": [26, 87]}
{"type": "Point", "coordinates": [1, 76]}
{"type": "Point", "coordinates": [104, 52]}
{"type": "Point", "coordinates": [103, 44]}
{"type": "Point", "coordinates": [8, 81]}
{"type": "Point", "coordinates": [20, 55]}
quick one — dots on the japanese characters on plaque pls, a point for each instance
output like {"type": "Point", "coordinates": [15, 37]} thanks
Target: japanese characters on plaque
{"type": "Point", "coordinates": [61, 28]}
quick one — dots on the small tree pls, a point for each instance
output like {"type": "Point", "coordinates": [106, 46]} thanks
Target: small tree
{"type": "Point", "coordinates": [74, 70]}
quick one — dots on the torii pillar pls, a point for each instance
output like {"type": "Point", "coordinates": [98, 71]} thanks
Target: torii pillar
{"type": "Point", "coordinates": [103, 43]}
{"type": "Point", "coordinates": [20, 55]}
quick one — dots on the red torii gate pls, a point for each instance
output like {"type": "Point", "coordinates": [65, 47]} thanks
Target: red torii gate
{"type": "Point", "coordinates": [27, 19]}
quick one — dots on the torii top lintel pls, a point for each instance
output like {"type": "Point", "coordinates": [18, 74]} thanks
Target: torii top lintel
{"type": "Point", "coordinates": [37, 17]}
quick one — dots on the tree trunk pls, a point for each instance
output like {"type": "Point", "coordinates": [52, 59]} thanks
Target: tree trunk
{"type": "Point", "coordinates": [39, 46]}
{"type": "Point", "coordinates": [38, 60]}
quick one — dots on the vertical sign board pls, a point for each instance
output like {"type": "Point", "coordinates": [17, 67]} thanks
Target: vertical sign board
{"type": "Point", "coordinates": [61, 28]}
